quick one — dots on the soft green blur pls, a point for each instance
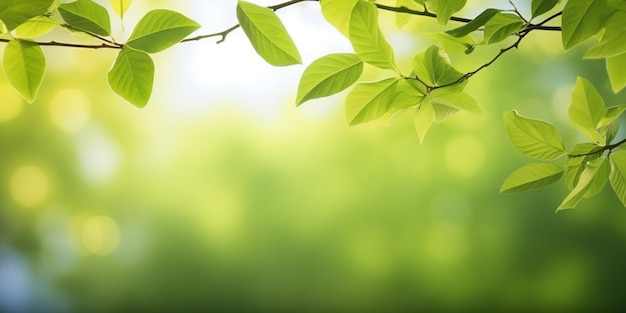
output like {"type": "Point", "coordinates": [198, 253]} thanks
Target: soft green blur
{"type": "Point", "coordinates": [222, 196]}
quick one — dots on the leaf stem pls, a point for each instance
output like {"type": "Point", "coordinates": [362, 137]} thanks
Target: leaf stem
{"type": "Point", "coordinates": [609, 147]}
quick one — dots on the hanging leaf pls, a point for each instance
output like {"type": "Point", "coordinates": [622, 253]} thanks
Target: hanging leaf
{"type": "Point", "coordinates": [329, 75]}
{"type": "Point", "coordinates": [582, 19]}
{"type": "Point", "coordinates": [618, 175]}
{"type": "Point", "coordinates": [36, 27]}
{"type": "Point", "coordinates": [15, 12]}
{"type": "Point", "coordinates": [615, 67]}
{"type": "Point", "coordinates": [539, 7]}
{"type": "Point", "coordinates": [460, 101]}
{"type": "Point", "coordinates": [576, 162]}
{"type": "Point", "coordinates": [587, 110]}
{"type": "Point", "coordinates": [369, 101]}
{"type": "Point", "coordinates": [267, 34]}
{"type": "Point", "coordinates": [120, 6]}
{"type": "Point", "coordinates": [367, 40]}
{"type": "Point", "coordinates": [532, 176]}
{"type": "Point", "coordinates": [445, 8]}
{"type": "Point", "coordinates": [433, 67]}
{"type": "Point", "coordinates": [24, 65]}
{"type": "Point", "coordinates": [337, 13]}
{"type": "Point", "coordinates": [132, 76]}
{"type": "Point", "coordinates": [534, 138]}
{"type": "Point", "coordinates": [423, 119]}
{"type": "Point", "coordinates": [87, 16]}
{"type": "Point", "coordinates": [502, 26]}
{"type": "Point", "coordinates": [475, 24]}
{"type": "Point", "coordinates": [612, 42]}
{"type": "Point", "coordinates": [159, 30]}
{"type": "Point", "coordinates": [585, 183]}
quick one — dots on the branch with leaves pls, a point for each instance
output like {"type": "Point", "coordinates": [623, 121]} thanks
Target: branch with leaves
{"type": "Point", "coordinates": [432, 89]}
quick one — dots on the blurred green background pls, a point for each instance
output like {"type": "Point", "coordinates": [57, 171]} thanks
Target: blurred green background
{"type": "Point", "coordinates": [222, 196]}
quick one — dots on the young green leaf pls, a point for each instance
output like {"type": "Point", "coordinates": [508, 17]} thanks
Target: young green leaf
{"type": "Point", "coordinates": [532, 176]}
{"type": "Point", "coordinates": [433, 67]}
{"type": "Point", "coordinates": [24, 66]}
{"type": "Point", "coordinates": [475, 24]}
{"type": "Point", "coordinates": [586, 181]}
{"type": "Point", "coordinates": [445, 8]}
{"type": "Point", "coordinates": [582, 19]}
{"type": "Point", "coordinates": [453, 44]}
{"type": "Point", "coordinates": [612, 42]}
{"type": "Point", "coordinates": [612, 114]}
{"type": "Point", "coordinates": [502, 26]}
{"type": "Point", "coordinates": [120, 6]}
{"type": "Point", "coordinates": [15, 12]}
{"type": "Point", "coordinates": [460, 101]}
{"type": "Point", "coordinates": [337, 13]}
{"type": "Point", "coordinates": [442, 112]}
{"type": "Point", "coordinates": [367, 40]}
{"type": "Point", "coordinates": [267, 34]}
{"type": "Point", "coordinates": [615, 67]}
{"type": "Point", "coordinates": [539, 7]}
{"type": "Point", "coordinates": [587, 110]}
{"type": "Point", "coordinates": [36, 27]}
{"type": "Point", "coordinates": [406, 96]}
{"type": "Point", "coordinates": [600, 179]}
{"type": "Point", "coordinates": [618, 175]}
{"type": "Point", "coordinates": [132, 76]}
{"type": "Point", "coordinates": [423, 118]}
{"type": "Point", "coordinates": [87, 16]}
{"type": "Point", "coordinates": [329, 75]}
{"type": "Point", "coordinates": [369, 101]}
{"type": "Point", "coordinates": [580, 155]}
{"type": "Point", "coordinates": [159, 30]}
{"type": "Point", "coordinates": [534, 138]}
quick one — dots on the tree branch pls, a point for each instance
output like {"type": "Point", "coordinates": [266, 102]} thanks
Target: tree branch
{"type": "Point", "coordinates": [600, 150]}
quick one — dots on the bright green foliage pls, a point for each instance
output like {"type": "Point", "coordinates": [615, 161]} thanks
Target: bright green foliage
{"type": "Point", "coordinates": [369, 101]}
{"type": "Point", "coordinates": [159, 30]}
{"type": "Point", "coordinates": [132, 76]}
{"type": "Point", "coordinates": [534, 138]}
{"type": "Point", "coordinates": [329, 75]}
{"type": "Point", "coordinates": [600, 178]}
{"type": "Point", "coordinates": [434, 68]}
{"type": "Point", "coordinates": [444, 8]}
{"type": "Point", "coordinates": [36, 27]}
{"type": "Point", "coordinates": [120, 6]}
{"type": "Point", "coordinates": [24, 66]}
{"type": "Point", "coordinates": [501, 26]}
{"type": "Point", "coordinates": [587, 110]}
{"type": "Point", "coordinates": [588, 178]}
{"type": "Point", "coordinates": [583, 19]}
{"type": "Point", "coordinates": [452, 44]}
{"type": "Point", "coordinates": [532, 176]}
{"type": "Point", "coordinates": [539, 7]}
{"type": "Point", "coordinates": [576, 162]}
{"type": "Point", "coordinates": [615, 67]}
{"type": "Point", "coordinates": [367, 40]}
{"type": "Point", "coordinates": [459, 101]}
{"type": "Point", "coordinates": [267, 34]}
{"type": "Point", "coordinates": [15, 12]}
{"type": "Point", "coordinates": [612, 42]}
{"type": "Point", "coordinates": [337, 13]}
{"type": "Point", "coordinates": [423, 118]}
{"type": "Point", "coordinates": [618, 175]}
{"type": "Point", "coordinates": [87, 16]}
{"type": "Point", "coordinates": [475, 24]}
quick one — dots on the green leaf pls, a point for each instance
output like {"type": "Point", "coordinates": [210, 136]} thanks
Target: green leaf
{"type": "Point", "coordinates": [532, 176]}
{"type": "Point", "coordinates": [475, 24]}
{"type": "Point", "coordinates": [402, 19]}
{"type": "Point", "coordinates": [132, 76]}
{"type": "Point", "coordinates": [267, 34]}
{"type": "Point", "coordinates": [618, 175]}
{"type": "Point", "coordinates": [367, 40]}
{"type": "Point", "coordinates": [329, 75]}
{"type": "Point", "coordinates": [580, 155]}
{"type": "Point", "coordinates": [615, 67]}
{"type": "Point", "coordinates": [24, 66]}
{"type": "Point", "coordinates": [445, 8]}
{"type": "Point", "coordinates": [120, 6]}
{"type": "Point", "coordinates": [442, 112]}
{"type": "Point", "coordinates": [585, 183]}
{"type": "Point", "coordinates": [36, 27]}
{"type": "Point", "coordinates": [502, 26]}
{"type": "Point", "coordinates": [460, 101]}
{"type": "Point", "coordinates": [87, 16]}
{"type": "Point", "coordinates": [534, 138]}
{"type": "Point", "coordinates": [612, 42]}
{"type": "Point", "coordinates": [159, 30]}
{"type": "Point", "coordinates": [406, 96]}
{"type": "Point", "coordinates": [612, 114]}
{"type": "Point", "coordinates": [587, 110]}
{"type": "Point", "coordinates": [15, 12]}
{"type": "Point", "coordinates": [582, 19]}
{"type": "Point", "coordinates": [337, 13]}
{"type": "Point", "coordinates": [599, 179]}
{"type": "Point", "coordinates": [369, 101]}
{"type": "Point", "coordinates": [433, 67]}
{"type": "Point", "coordinates": [423, 118]}
{"type": "Point", "coordinates": [539, 7]}
{"type": "Point", "coordinates": [453, 44]}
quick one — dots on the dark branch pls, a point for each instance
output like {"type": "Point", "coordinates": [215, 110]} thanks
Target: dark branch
{"type": "Point", "coordinates": [599, 150]}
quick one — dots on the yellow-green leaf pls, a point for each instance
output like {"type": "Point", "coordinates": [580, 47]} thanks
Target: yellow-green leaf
{"type": "Point", "coordinates": [36, 27]}
{"type": "Point", "coordinates": [87, 16]}
{"type": "Point", "coordinates": [337, 13]}
{"type": "Point", "coordinates": [369, 101]}
{"type": "Point", "coordinates": [615, 67]}
{"type": "Point", "coordinates": [532, 176]}
{"type": "Point", "coordinates": [367, 40]}
{"type": "Point", "coordinates": [587, 110]}
{"type": "Point", "coordinates": [159, 30]}
{"type": "Point", "coordinates": [329, 75]}
{"type": "Point", "coordinates": [132, 76]}
{"type": "Point", "coordinates": [15, 12]}
{"type": "Point", "coordinates": [618, 175]}
{"type": "Point", "coordinates": [24, 65]}
{"type": "Point", "coordinates": [584, 184]}
{"type": "Point", "coordinates": [120, 6]}
{"type": "Point", "coordinates": [534, 138]}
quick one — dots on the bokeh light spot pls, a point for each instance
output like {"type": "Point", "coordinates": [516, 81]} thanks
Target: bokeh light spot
{"type": "Point", "coordinates": [29, 185]}
{"type": "Point", "coordinates": [11, 105]}
{"type": "Point", "coordinates": [465, 156]}
{"type": "Point", "coordinates": [101, 235]}
{"type": "Point", "coordinates": [69, 110]}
